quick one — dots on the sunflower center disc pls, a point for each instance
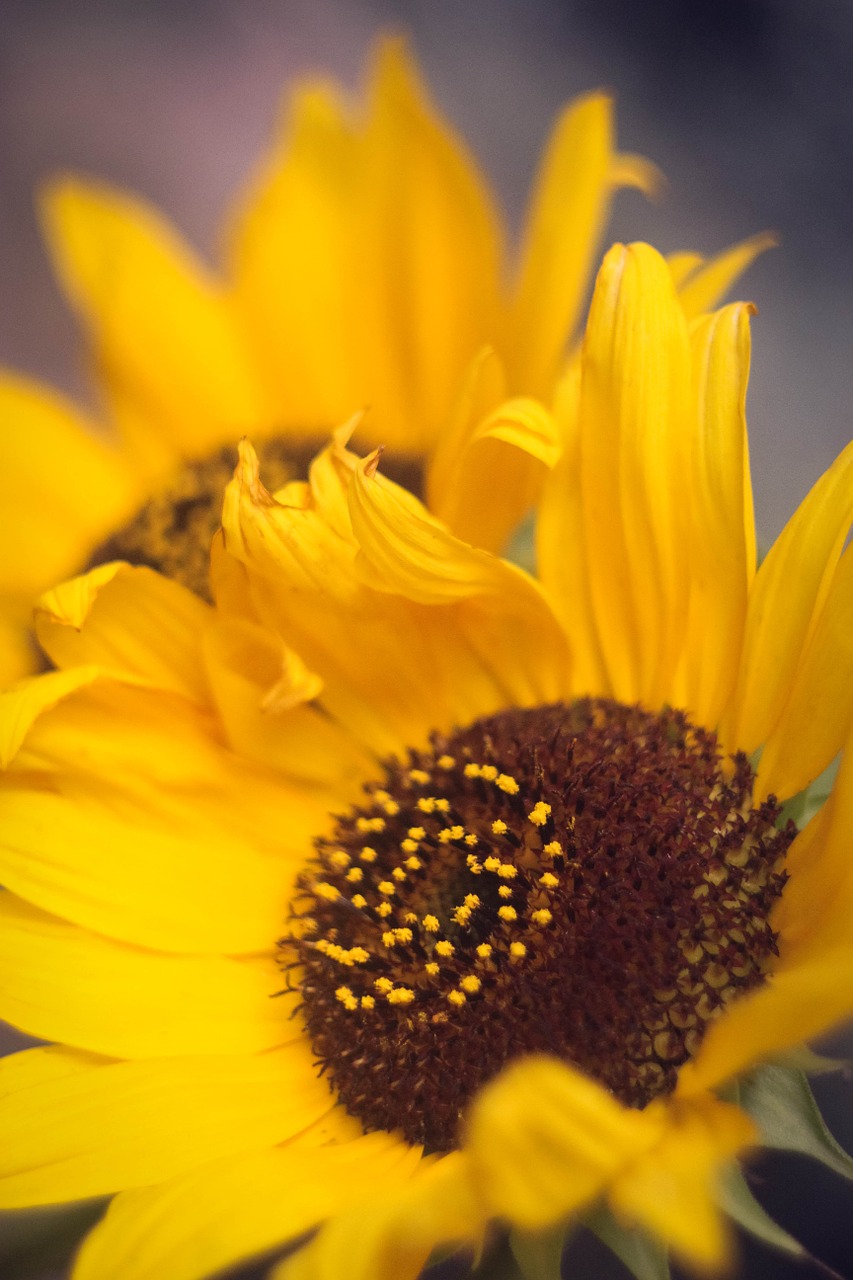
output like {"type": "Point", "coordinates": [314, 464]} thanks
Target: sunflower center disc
{"type": "Point", "coordinates": [587, 879]}
{"type": "Point", "coordinates": [172, 532]}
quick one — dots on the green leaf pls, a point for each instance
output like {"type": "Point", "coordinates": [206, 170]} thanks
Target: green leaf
{"type": "Point", "coordinates": [736, 1199]}
{"type": "Point", "coordinates": [539, 1256]}
{"type": "Point", "coordinates": [644, 1257]}
{"type": "Point", "coordinates": [783, 1106]}
{"type": "Point", "coordinates": [521, 549]}
{"type": "Point", "coordinates": [803, 806]}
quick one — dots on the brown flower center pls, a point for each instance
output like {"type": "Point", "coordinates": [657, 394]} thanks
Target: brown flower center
{"type": "Point", "coordinates": [589, 880]}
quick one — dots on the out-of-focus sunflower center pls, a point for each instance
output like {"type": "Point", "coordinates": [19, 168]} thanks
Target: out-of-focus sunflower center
{"type": "Point", "coordinates": [173, 530]}
{"type": "Point", "coordinates": [585, 879]}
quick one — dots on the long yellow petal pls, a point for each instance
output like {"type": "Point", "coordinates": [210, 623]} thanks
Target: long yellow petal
{"type": "Point", "coordinates": [291, 253]}
{"type": "Point", "coordinates": [163, 334]}
{"type": "Point", "coordinates": [61, 488]}
{"type": "Point", "coordinates": [817, 715]}
{"type": "Point", "coordinates": [428, 258]}
{"type": "Point", "coordinates": [115, 788]}
{"type": "Point", "coordinates": [484, 483]}
{"type": "Point", "coordinates": [789, 592]}
{"type": "Point", "coordinates": [132, 623]}
{"type": "Point", "coordinates": [59, 982]}
{"type": "Point", "coordinates": [634, 433]}
{"type": "Point", "coordinates": [392, 1237]}
{"type": "Point", "coordinates": [719, 498]}
{"type": "Point", "coordinates": [23, 704]}
{"type": "Point", "coordinates": [107, 1126]}
{"type": "Point", "coordinates": [565, 220]}
{"type": "Point", "coordinates": [709, 282]}
{"type": "Point", "coordinates": [232, 1209]}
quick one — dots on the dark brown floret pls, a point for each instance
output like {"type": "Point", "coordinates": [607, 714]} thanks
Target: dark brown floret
{"type": "Point", "coordinates": [589, 880]}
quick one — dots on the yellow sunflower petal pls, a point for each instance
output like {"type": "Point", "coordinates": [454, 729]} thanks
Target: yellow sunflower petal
{"type": "Point", "coordinates": [132, 623]}
{"type": "Point", "coordinates": [789, 592]}
{"type": "Point", "coordinates": [495, 476]}
{"type": "Point", "coordinates": [18, 657]}
{"type": "Point", "coordinates": [817, 715]}
{"type": "Point", "coordinates": [720, 500]}
{"type": "Point", "coordinates": [61, 488]}
{"type": "Point", "coordinates": [672, 1191]}
{"type": "Point", "coordinates": [564, 223]}
{"type": "Point", "coordinates": [291, 254]}
{"type": "Point", "coordinates": [710, 281]}
{"type": "Point", "coordinates": [545, 1140]}
{"type": "Point", "coordinates": [198, 830]}
{"type": "Point", "coordinates": [231, 1209]}
{"type": "Point", "coordinates": [163, 334]}
{"type": "Point", "coordinates": [428, 258]}
{"type": "Point", "coordinates": [392, 1237]}
{"type": "Point", "coordinates": [21, 706]}
{"type": "Point", "coordinates": [60, 982]}
{"type": "Point", "coordinates": [105, 1127]}
{"type": "Point", "coordinates": [633, 455]}
{"type": "Point", "coordinates": [814, 913]}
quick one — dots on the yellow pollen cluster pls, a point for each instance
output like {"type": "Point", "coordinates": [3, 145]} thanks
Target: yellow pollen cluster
{"type": "Point", "coordinates": [445, 762]}
{"type": "Point", "coordinates": [508, 914]}
{"type": "Point", "coordinates": [370, 824]}
{"type": "Point", "coordinates": [542, 916]}
{"type": "Point", "coordinates": [398, 873]}
{"type": "Point", "coordinates": [414, 864]}
{"type": "Point", "coordinates": [507, 784]}
{"type": "Point", "coordinates": [499, 827]}
{"type": "Point", "coordinates": [386, 887]}
{"type": "Point", "coordinates": [359, 900]}
{"type": "Point", "coordinates": [384, 909]}
{"type": "Point", "coordinates": [367, 854]}
{"type": "Point", "coordinates": [400, 995]}
{"type": "Point", "coordinates": [484, 950]}
{"type": "Point", "coordinates": [355, 874]}
{"type": "Point", "coordinates": [517, 950]}
{"type": "Point", "coordinates": [471, 983]}
{"type": "Point", "coordinates": [471, 840]}
{"type": "Point", "coordinates": [430, 923]}
{"type": "Point", "coordinates": [325, 890]}
{"type": "Point", "coordinates": [417, 833]}
{"type": "Point", "coordinates": [339, 859]}
{"type": "Point", "coordinates": [554, 849]}
{"type": "Point", "coordinates": [346, 997]}
{"type": "Point", "coordinates": [549, 880]}
{"type": "Point", "coordinates": [444, 948]}
{"type": "Point", "coordinates": [419, 776]}
{"type": "Point", "coordinates": [457, 997]}
{"type": "Point", "coordinates": [383, 985]}
{"type": "Point", "coordinates": [432, 968]}
{"type": "Point", "coordinates": [409, 846]}
{"type": "Point", "coordinates": [505, 891]}
{"type": "Point", "coordinates": [450, 833]}
{"type": "Point", "coordinates": [540, 813]}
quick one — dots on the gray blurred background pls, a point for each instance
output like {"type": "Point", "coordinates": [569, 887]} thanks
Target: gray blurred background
{"type": "Point", "coordinates": [745, 104]}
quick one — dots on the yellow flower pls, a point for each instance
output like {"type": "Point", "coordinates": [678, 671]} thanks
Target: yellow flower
{"type": "Point", "coordinates": [364, 268]}
{"type": "Point", "coordinates": [627, 902]}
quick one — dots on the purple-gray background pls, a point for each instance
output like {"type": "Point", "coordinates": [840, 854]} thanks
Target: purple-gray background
{"type": "Point", "coordinates": [745, 104]}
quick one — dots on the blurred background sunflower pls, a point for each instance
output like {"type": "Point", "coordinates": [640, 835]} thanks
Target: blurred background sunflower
{"type": "Point", "coordinates": [744, 105]}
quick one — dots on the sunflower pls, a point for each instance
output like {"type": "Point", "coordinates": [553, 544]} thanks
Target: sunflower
{"type": "Point", "coordinates": [397, 892]}
{"type": "Point", "coordinates": [363, 266]}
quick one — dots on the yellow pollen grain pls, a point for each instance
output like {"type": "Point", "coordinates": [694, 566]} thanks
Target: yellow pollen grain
{"type": "Point", "coordinates": [489, 772]}
{"type": "Point", "coordinates": [339, 860]}
{"type": "Point", "coordinates": [432, 968]}
{"type": "Point", "coordinates": [549, 880]}
{"type": "Point", "coordinates": [400, 995]}
{"type": "Point", "coordinates": [325, 890]}
{"type": "Point", "coordinates": [507, 913]}
{"type": "Point", "coordinates": [442, 805]}
{"type": "Point", "coordinates": [380, 795]}
{"type": "Point", "coordinates": [431, 924]}
{"type": "Point", "coordinates": [444, 948]}
{"type": "Point", "coordinates": [445, 762]}
{"type": "Point", "coordinates": [471, 983]}
{"type": "Point", "coordinates": [367, 1002]}
{"type": "Point", "coordinates": [499, 827]}
{"type": "Point", "coordinates": [370, 824]}
{"type": "Point", "coordinates": [492, 864]}
{"type": "Point", "coordinates": [471, 840]}
{"type": "Point", "coordinates": [507, 784]}
{"type": "Point", "coordinates": [457, 997]}
{"type": "Point", "coordinates": [346, 997]}
{"type": "Point", "coordinates": [420, 776]}
{"type": "Point", "coordinates": [388, 938]}
{"type": "Point", "coordinates": [553, 849]}
{"type": "Point", "coordinates": [384, 909]}
{"type": "Point", "coordinates": [391, 808]}
{"type": "Point", "coordinates": [472, 770]}
{"type": "Point", "coordinates": [414, 864]}
{"type": "Point", "coordinates": [507, 871]}
{"type": "Point", "coordinates": [416, 833]}
{"type": "Point", "coordinates": [355, 874]}
{"type": "Point", "coordinates": [386, 887]}
{"type": "Point", "coordinates": [475, 866]}
{"type": "Point", "coordinates": [542, 916]}
{"type": "Point", "coordinates": [484, 950]}
{"type": "Point", "coordinates": [461, 915]}
{"type": "Point", "coordinates": [383, 985]}
{"type": "Point", "coordinates": [398, 873]}
{"type": "Point", "coordinates": [403, 935]}
{"type": "Point", "coordinates": [505, 891]}
{"type": "Point", "coordinates": [409, 846]}
{"type": "Point", "coordinates": [471, 900]}
{"type": "Point", "coordinates": [450, 833]}
{"type": "Point", "coordinates": [517, 950]}
{"type": "Point", "coordinates": [426, 804]}
{"type": "Point", "coordinates": [367, 854]}
{"type": "Point", "coordinates": [540, 813]}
